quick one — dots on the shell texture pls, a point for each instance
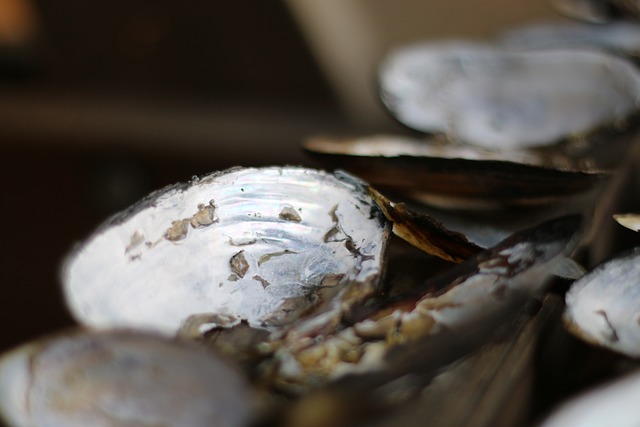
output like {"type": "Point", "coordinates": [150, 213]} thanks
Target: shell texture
{"type": "Point", "coordinates": [250, 245]}
{"type": "Point", "coordinates": [491, 282]}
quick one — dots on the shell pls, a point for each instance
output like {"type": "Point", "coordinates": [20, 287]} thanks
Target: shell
{"type": "Point", "coordinates": [250, 245]}
{"type": "Point", "coordinates": [113, 379]}
{"type": "Point", "coordinates": [598, 11]}
{"type": "Point", "coordinates": [603, 307]}
{"type": "Point", "coordinates": [457, 174]}
{"type": "Point", "coordinates": [614, 404]}
{"type": "Point", "coordinates": [622, 38]}
{"type": "Point", "coordinates": [487, 285]}
{"type": "Point", "coordinates": [629, 220]}
{"type": "Point", "coordinates": [592, 11]}
{"type": "Point", "coordinates": [490, 97]}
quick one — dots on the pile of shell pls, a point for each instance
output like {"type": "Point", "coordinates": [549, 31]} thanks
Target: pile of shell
{"type": "Point", "coordinates": [270, 296]}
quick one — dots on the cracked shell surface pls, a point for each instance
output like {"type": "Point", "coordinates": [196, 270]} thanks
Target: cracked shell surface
{"type": "Point", "coordinates": [492, 97]}
{"type": "Point", "coordinates": [111, 379]}
{"type": "Point", "coordinates": [603, 307]}
{"type": "Point", "coordinates": [243, 244]}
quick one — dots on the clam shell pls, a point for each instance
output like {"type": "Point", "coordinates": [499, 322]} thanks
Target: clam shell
{"type": "Point", "coordinates": [487, 96]}
{"type": "Point", "coordinates": [115, 379]}
{"type": "Point", "coordinates": [603, 307]}
{"type": "Point", "coordinates": [250, 245]}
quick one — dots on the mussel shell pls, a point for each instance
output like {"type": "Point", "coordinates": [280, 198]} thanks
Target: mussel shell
{"type": "Point", "coordinates": [603, 307]}
{"type": "Point", "coordinates": [492, 97]}
{"type": "Point", "coordinates": [250, 245]}
{"type": "Point", "coordinates": [114, 379]}
{"type": "Point", "coordinates": [462, 174]}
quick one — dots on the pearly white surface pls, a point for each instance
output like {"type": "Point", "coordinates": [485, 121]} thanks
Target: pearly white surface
{"type": "Point", "coordinates": [603, 307]}
{"type": "Point", "coordinates": [292, 226]}
{"type": "Point", "coordinates": [494, 97]}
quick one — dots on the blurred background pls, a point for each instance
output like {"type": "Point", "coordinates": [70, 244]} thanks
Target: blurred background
{"type": "Point", "coordinates": [102, 102]}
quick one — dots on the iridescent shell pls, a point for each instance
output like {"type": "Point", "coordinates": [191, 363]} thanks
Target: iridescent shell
{"type": "Point", "coordinates": [252, 245]}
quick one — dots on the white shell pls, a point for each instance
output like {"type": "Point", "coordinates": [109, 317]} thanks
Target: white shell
{"type": "Point", "coordinates": [603, 307]}
{"type": "Point", "coordinates": [244, 244]}
{"type": "Point", "coordinates": [120, 379]}
{"type": "Point", "coordinates": [490, 97]}
{"type": "Point", "coordinates": [615, 404]}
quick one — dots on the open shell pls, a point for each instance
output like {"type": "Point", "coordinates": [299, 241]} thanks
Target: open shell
{"type": "Point", "coordinates": [603, 307]}
{"type": "Point", "coordinates": [250, 245]}
{"type": "Point", "coordinates": [492, 97]}
{"type": "Point", "coordinates": [114, 379]}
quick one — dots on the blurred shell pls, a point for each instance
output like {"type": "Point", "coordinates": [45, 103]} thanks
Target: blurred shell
{"type": "Point", "coordinates": [598, 11]}
{"type": "Point", "coordinates": [603, 307]}
{"type": "Point", "coordinates": [120, 379]}
{"type": "Point", "coordinates": [593, 11]}
{"type": "Point", "coordinates": [618, 37]}
{"type": "Point", "coordinates": [486, 96]}
{"type": "Point", "coordinates": [631, 221]}
{"type": "Point", "coordinates": [243, 244]}
{"type": "Point", "coordinates": [457, 174]}
{"type": "Point", "coordinates": [614, 404]}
